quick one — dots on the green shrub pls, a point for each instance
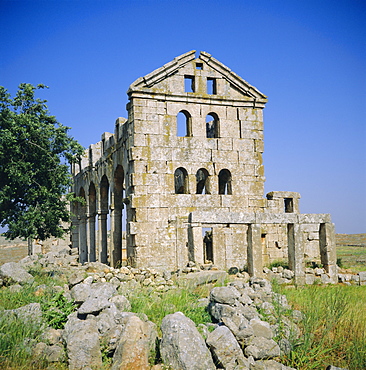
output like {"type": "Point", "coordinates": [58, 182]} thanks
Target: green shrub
{"type": "Point", "coordinates": [278, 263]}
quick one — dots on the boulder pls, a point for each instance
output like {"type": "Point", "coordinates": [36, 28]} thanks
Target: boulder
{"type": "Point", "coordinates": [225, 349]}
{"type": "Point", "coordinates": [261, 348]}
{"type": "Point", "coordinates": [261, 328]}
{"type": "Point", "coordinates": [225, 295]}
{"type": "Point", "coordinates": [80, 292]}
{"type": "Point", "coordinates": [31, 313]}
{"type": "Point", "coordinates": [12, 272]}
{"type": "Point", "coordinates": [218, 311]}
{"type": "Point", "coordinates": [82, 342]}
{"type": "Point", "coordinates": [121, 302]}
{"type": "Point", "coordinates": [202, 277]}
{"type": "Point", "coordinates": [132, 350]}
{"type": "Point", "coordinates": [182, 347]}
{"type": "Point", "coordinates": [93, 305]}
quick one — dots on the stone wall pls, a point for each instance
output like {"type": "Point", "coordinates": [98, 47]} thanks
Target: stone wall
{"type": "Point", "coordinates": [186, 168]}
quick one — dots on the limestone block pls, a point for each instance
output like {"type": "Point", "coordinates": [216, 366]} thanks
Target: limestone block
{"type": "Point", "coordinates": [229, 129]}
{"type": "Point", "coordinates": [234, 201]}
{"type": "Point", "coordinates": [142, 126]}
{"type": "Point", "coordinates": [231, 113]}
{"type": "Point", "coordinates": [225, 143]}
{"type": "Point", "coordinates": [141, 214]}
{"type": "Point", "coordinates": [158, 167]}
{"type": "Point", "coordinates": [257, 203]}
{"type": "Point", "coordinates": [243, 145]}
{"type": "Point", "coordinates": [160, 154]}
{"type": "Point", "coordinates": [145, 179]}
{"type": "Point", "coordinates": [158, 214]}
{"type": "Point", "coordinates": [173, 108]}
{"type": "Point", "coordinates": [311, 228]}
{"type": "Point", "coordinates": [247, 157]}
{"type": "Point", "coordinates": [153, 140]}
{"type": "Point", "coordinates": [310, 218]}
{"type": "Point", "coordinates": [206, 200]}
{"type": "Point", "coordinates": [207, 109]}
{"type": "Point", "coordinates": [145, 200]}
{"type": "Point", "coordinates": [139, 153]}
{"type": "Point", "coordinates": [183, 200]}
{"type": "Point", "coordinates": [225, 156]}
{"type": "Point", "coordinates": [259, 146]}
{"type": "Point", "coordinates": [250, 114]}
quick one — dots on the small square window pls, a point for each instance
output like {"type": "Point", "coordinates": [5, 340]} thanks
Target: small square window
{"type": "Point", "coordinates": [199, 66]}
{"type": "Point", "coordinates": [289, 205]}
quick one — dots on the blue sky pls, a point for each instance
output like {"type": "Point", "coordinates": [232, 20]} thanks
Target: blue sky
{"type": "Point", "coordinates": [307, 56]}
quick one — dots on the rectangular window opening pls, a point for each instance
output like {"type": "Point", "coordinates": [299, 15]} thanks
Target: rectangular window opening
{"type": "Point", "coordinates": [289, 205]}
{"type": "Point", "coordinates": [211, 86]}
{"type": "Point", "coordinates": [199, 66]}
{"type": "Point", "coordinates": [207, 245]}
{"type": "Point", "coordinates": [189, 84]}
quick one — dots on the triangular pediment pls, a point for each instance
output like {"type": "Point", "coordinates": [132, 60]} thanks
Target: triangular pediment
{"type": "Point", "coordinates": [168, 79]}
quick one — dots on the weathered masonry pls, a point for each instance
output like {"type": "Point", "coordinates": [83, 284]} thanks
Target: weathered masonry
{"type": "Point", "coordinates": [186, 168]}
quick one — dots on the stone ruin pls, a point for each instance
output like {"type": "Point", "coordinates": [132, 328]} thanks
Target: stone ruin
{"type": "Point", "coordinates": [184, 173]}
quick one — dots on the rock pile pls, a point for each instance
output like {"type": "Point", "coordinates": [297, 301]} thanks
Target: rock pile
{"type": "Point", "coordinates": [251, 325]}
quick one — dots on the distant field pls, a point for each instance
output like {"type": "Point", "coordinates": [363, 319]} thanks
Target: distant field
{"type": "Point", "coordinates": [12, 250]}
{"type": "Point", "coordinates": [351, 250]}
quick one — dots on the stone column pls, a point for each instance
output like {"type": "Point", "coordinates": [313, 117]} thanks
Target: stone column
{"type": "Point", "coordinates": [116, 235]}
{"type": "Point", "coordinates": [102, 237]}
{"type": "Point", "coordinates": [91, 237]}
{"type": "Point", "coordinates": [83, 247]}
{"type": "Point", "coordinates": [255, 264]}
{"type": "Point", "coordinates": [195, 244]}
{"type": "Point", "coordinates": [75, 234]}
{"type": "Point", "coordinates": [296, 252]}
{"type": "Point", "coordinates": [327, 245]}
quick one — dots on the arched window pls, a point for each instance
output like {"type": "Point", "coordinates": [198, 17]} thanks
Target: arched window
{"type": "Point", "coordinates": [225, 182]}
{"type": "Point", "coordinates": [181, 181]}
{"type": "Point", "coordinates": [202, 183]}
{"type": "Point", "coordinates": [184, 127]}
{"type": "Point", "coordinates": [212, 125]}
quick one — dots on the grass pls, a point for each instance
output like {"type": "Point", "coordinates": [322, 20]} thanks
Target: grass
{"type": "Point", "coordinates": [16, 336]}
{"type": "Point", "coordinates": [157, 305]}
{"type": "Point", "coordinates": [334, 328]}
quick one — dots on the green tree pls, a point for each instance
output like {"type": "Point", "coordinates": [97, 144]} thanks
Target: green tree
{"type": "Point", "coordinates": [35, 154]}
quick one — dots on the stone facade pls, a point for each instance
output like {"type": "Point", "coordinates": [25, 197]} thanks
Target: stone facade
{"type": "Point", "coordinates": [186, 168]}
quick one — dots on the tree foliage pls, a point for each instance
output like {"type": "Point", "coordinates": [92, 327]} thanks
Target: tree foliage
{"type": "Point", "coordinates": [35, 153]}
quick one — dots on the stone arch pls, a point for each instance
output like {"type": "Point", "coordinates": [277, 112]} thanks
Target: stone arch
{"type": "Point", "coordinates": [116, 215]}
{"type": "Point", "coordinates": [225, 182]}
{"type": "Point", "coordinates": [181, 181]}
{"type": "Point", "coordinates": [202, 182]}
{"type": "Point", "coordinates": [184, 124]}
{"type": "Point", "coordinates": [212, 125]}
{"type": "Point", "coordinates": [92, 206]}
{"type": "Point", "coordinates": [82, 208]}
{"type": "Point", "coordinates": [102, 219]}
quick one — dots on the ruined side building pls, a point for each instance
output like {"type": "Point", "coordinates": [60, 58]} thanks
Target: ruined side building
{"type": "Point", "coordinates": [186, 169]}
